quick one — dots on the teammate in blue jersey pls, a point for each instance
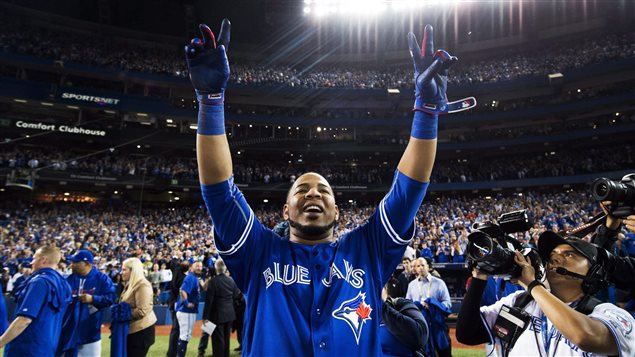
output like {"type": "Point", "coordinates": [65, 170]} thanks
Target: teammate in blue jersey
{"type": "Point", "coordinates": [40, 308]}
{"type": "Point", "coordinates": [313, 294]}
{"type": "Point", "coordinates": [187, 306]}
{"type": "Point", "coordinates": [93, 291]}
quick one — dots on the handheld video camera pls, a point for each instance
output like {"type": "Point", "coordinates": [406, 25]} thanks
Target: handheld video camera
{"type": "Point", "coordinates": [620, 193]}
{"type": "Point", "coordinates": [491, 247]}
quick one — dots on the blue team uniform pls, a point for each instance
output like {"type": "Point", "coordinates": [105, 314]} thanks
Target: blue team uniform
{"type": "Point", "coordinates": [4, 319]}
{"type": "Point", "coordinates": [44, 300]}
{"type": "Point", "coordinates": [192, 288]}
{"type": "Point", "coordinates": [320, 300]}
{"type": "Point", "coordinates": [89, 320]}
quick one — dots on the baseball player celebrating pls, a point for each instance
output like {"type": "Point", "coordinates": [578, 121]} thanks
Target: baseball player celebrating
{"type": "Point", "coordinates": [312, 294]}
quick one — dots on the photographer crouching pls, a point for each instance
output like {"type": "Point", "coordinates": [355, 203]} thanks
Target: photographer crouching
{"type": "Point", "coordinates": [562, 319]}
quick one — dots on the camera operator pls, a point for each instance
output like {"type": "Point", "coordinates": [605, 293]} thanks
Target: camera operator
{"type": "Point", "coordinates": [617, 199]}
{"type": "Point", "coordinates": [562, 320]}
{"type": "Point", "coordinates": [621, 270]}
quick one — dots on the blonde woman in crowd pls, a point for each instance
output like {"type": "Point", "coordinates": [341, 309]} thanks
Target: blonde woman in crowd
{"type": "Point", "coordinates": [138, 293]}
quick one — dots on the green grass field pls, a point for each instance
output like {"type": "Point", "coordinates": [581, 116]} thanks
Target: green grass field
{"type": "Point", "coordinates": [161, 346]}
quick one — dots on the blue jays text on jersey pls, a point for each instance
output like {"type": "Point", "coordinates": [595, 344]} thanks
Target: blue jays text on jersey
{"type": "Point", "coordinates": [321, 299]}
{"type": "Point", "coordinates": [297, 274]}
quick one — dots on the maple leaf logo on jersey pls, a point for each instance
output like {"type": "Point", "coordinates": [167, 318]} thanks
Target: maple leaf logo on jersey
{"type": "Point", "coordinates": [355, 313]}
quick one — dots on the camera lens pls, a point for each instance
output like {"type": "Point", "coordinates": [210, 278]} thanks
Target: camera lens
{"type": "Point", "coordinates": [481, 246]}
{"type": "Point", "coordinates": [604, 189]}
{"type": "Point", "coordinates": [601, 189]}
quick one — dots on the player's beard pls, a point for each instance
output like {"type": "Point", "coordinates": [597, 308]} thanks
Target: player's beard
{"type": "Point", "coordinates": [312, 231]}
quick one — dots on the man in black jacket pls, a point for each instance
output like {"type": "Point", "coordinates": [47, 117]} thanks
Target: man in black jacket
{"type": "Point", "coordinates": [219, 309]}
{"type": "Point", "coordinates": [179, 270]}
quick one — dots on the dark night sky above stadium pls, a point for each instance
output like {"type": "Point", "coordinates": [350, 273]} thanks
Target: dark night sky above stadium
{"type": "Point", "coordinates": [267, 21]}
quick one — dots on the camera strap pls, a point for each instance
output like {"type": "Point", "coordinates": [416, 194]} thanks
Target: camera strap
{"type": "Point", "coordinates": [586, 228]}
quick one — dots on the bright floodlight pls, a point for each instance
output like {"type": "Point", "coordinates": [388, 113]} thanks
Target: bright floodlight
{"type": "Point", "coordinates": [372, 7]}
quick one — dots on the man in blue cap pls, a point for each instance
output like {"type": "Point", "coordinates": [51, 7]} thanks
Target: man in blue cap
{"type": "Point", "coordinates": [40, 307]}
{"type": "Point", "coordinates": [92, 291]}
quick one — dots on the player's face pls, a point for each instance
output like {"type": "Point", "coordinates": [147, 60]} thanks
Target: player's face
{"type": "Point", "coordinates": [566, 257]}
{"type": "Point", "coordinates": [311, 205]}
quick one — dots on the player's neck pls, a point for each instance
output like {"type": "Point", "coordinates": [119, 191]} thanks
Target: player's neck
{"type": "Point", "coordinates": [311, 241]}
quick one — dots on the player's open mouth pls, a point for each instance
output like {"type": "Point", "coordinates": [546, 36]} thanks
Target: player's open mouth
{"type": "Point", "coordinates": [313, 209]}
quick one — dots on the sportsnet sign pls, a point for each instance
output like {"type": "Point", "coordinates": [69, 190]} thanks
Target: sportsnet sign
{"type": "Point", "coordinates": [62, 128]}
{"type": "Point", "coordinates": [85, 98]}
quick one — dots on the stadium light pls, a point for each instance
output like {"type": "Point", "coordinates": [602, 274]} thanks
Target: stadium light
{"type": "Point", "coordinates": [320, 8]}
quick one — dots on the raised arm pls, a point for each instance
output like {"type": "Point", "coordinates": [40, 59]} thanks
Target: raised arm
{"type": "Point", "coordinates": [431, 78]}
{"type": "Point", "coordinates": [209, 72]}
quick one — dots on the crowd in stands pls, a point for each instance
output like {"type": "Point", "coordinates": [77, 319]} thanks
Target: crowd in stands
{"type": "Point", "coordinates": [105, 52]}
{"type": "Point", "coordinates": [454, 134]}
{"type": "Point", "coordinates": [389, 113]}
{"type": "Point", "coordinates": [338, 170]}
{"type": "Point", "coordinates": [160, 235]}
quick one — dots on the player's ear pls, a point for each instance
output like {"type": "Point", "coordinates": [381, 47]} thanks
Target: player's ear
{"type": "Point", "coordinates": [285, 211]}
{"type": "Point", "coordinates": [337, 213]}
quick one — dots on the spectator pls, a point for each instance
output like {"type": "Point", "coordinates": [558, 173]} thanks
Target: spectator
{"type": "Point", "coordinates": [154, 277]}
{"type": "Point", "coordinates": [138, 293]}
{"type": "Point", "coordinates": [222, 292]}
{"type": "Point", "coordinates": [180, 272]}
{"type": "Point", "coordinates": [431, 292]}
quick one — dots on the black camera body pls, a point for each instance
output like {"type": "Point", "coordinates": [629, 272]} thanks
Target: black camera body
{"type": "Point", "coordinates": [491, 248]}
{"type": "Point", "coordinates": [620, 193]}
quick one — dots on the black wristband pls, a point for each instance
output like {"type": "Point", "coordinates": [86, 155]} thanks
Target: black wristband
{"type": "Point", "coordinates": [533, 284]}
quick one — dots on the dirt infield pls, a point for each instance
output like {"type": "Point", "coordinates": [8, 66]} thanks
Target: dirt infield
{"type": "Point", "coordinates": [164, 330]}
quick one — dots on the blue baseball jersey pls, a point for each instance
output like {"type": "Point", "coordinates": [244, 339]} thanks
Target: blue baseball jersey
{"type": "Point", "coordinates": [322, 299]}
{"type": "Point", "coordinates": [104, 293]}
{"type": "Point", "coordinates": [191, 286]}
{"type": "Point", "coordinates": [44, 300]}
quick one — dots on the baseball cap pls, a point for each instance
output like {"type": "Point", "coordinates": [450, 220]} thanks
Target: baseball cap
{"type": "Point", "coordinates": [82, 256]}
{"type": "Point", "coordinates": [548, 240]}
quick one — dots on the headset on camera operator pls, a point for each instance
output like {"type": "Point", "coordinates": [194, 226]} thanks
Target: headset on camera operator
{"type": "Point", "coordinates": [562, 320]}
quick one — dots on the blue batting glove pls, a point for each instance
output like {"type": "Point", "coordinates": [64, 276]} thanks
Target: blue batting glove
{"type": "Point", "coordinates": [208, 65]}
{"type": "Point", "coordinates": [431, 73]}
